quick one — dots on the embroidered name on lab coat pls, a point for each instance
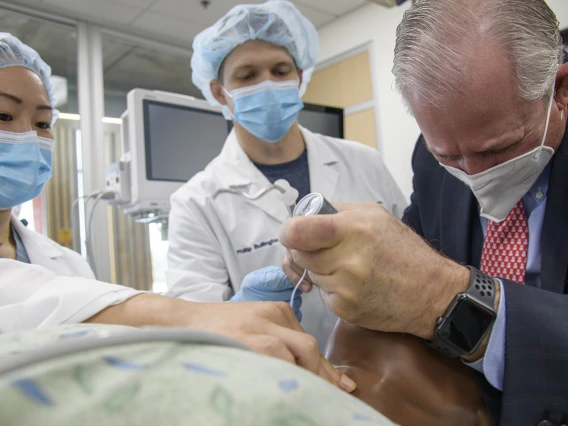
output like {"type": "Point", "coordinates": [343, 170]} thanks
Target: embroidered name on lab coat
{"type": "Point", "coordinates": [257, 246]}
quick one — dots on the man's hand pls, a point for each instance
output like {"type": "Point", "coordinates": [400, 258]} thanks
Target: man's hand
{"type": "Point", "coordinates": [266, 327]}
{"type": "Point", "coordinates": [374, 271]}
{"type": "Point", "coordinates": [269, 284]}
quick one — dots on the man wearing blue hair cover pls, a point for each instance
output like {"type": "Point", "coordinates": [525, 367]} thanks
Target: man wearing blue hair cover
{"type": "Point", "coordinates": [255, 62]}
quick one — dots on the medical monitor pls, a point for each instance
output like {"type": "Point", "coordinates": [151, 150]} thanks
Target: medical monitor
{"type": "Point", "coordinates": [321, 119]}
{"type": "Point", "coordinates": [180, 140]}
{"type": "Point", "coordinates": [168, 138]}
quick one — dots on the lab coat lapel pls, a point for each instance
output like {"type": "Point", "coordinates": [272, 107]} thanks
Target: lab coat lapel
{"type": "Point", "coordinates": [236, 168]}
{"type": "Point", "coordinates": [323, 176]}
{"type": "Point", "coordinates": [555, 228]}
{"type": "Point", "coordinates": [240, 172]}
{"type": "Point", "coordinates": [41, 250]}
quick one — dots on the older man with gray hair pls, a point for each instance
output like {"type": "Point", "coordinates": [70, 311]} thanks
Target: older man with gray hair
{"type": "Point", "coordinates": [486, 83]}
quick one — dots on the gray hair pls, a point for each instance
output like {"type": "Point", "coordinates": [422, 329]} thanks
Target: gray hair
{"type": "Point", "coordinates": [432, 42]}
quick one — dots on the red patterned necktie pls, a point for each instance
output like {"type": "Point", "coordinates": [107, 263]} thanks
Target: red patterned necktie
{"type": "Point", "coordinates": [505, 246]}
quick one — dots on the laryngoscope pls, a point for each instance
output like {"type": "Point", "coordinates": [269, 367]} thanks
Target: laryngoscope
{"type": "Point", "coordinates": [311, 205]}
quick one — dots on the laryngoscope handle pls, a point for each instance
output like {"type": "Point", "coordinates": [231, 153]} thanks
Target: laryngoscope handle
{"type": "Point", "coordinates": [311, 205]}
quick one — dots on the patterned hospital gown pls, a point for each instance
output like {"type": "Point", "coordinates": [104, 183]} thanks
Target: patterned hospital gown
{"type": "Point", "coordinates": [77, 375]}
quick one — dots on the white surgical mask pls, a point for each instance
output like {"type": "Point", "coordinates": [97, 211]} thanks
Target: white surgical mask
{"type": "Point", "coordinates": [500, 188]}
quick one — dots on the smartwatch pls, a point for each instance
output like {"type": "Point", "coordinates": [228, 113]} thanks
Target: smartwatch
{"type": "Point", "coordinates": [468, 318]}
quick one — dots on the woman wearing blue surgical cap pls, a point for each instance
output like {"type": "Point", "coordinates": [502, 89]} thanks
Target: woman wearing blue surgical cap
{"type": "Point", "coordinates": [26, 148]}
{"type": "Point", "coordinates": [256, 62]}
{"type": "Point", "coordinates": [43, 284]}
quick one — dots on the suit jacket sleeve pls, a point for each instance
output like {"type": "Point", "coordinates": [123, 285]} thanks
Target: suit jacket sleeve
{"type": "Point", "coordinates": [536, 353]}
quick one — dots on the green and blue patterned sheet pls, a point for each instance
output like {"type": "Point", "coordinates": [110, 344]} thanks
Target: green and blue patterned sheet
{"type": "Point", "coordinates": [96, 375]}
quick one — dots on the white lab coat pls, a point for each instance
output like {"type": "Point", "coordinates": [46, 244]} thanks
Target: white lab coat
{"type": "Point", "coordinates": [57, 288]}
{"type": "Point", "coordinates": [214, 244]}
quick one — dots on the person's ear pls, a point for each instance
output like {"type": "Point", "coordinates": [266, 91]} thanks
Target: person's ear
{"type": "Point", "coordinates": [561, 95]}
{"type": "Point", "coordinates": [218, 92]}
{"type": "Point", "coordinates": [301, 76]}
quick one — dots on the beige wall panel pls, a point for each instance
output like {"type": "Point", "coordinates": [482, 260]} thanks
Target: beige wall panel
{"type": "Point", "coordinates": [325, 88]}
{"type": "Point", "coordinates": [344, 84]}
{"type": "Point", "coordinates": [360, 127]}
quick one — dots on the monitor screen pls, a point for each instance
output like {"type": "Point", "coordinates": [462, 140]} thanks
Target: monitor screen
{"type": "Point", "coordinates": [180, 141]}
{"type": "Point", "coordinates": [320, 119]}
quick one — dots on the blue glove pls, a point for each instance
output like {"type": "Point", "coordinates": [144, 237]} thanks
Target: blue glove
{"type": "Point", "coordinates": [269, 284]}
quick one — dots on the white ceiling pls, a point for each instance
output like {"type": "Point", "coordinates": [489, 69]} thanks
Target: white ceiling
{"type": "Point", "coordinates": [129, 64]}
{"type": "Point", "coordinates": [177, 21]}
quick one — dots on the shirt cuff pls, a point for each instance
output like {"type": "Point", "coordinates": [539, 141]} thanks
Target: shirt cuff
{"type": "Point", "coordinates": [492, 365]}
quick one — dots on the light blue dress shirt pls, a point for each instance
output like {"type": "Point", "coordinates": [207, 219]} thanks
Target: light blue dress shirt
{"type": "Point", "coordinates": [21, 253]}
{"type": "Point", "coordinates": [534, 203]}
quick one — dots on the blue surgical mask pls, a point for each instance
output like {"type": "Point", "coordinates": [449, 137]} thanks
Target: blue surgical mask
{"type": "Point", "coordinates": [268, 109]}
{"type": "Point", "coordinates": [25, 167]}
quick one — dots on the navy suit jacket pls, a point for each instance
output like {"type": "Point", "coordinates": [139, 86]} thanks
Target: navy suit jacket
{"type": "Point", "coordinates": [444, 211]}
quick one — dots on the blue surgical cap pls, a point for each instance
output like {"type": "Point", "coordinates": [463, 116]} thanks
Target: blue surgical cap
{"type": "Point", "coordinates": [276, 21]}
{"type": "Point", "coordinates": [14, 53]}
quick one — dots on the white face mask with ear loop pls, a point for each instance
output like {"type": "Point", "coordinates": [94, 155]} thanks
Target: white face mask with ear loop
{"type": "Point", "coordinates": [500, 188]}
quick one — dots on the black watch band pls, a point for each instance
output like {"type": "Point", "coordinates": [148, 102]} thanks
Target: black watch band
{"type": "Point", "coordinates": [479, 298]}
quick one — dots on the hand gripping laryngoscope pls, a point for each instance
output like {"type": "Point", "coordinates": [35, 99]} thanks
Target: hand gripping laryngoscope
{"type": "Point", "coordinates": [311, 205]}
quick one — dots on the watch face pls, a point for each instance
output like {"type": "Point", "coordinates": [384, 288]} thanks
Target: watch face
{"type": "Point", "coordinates": [466, 325]}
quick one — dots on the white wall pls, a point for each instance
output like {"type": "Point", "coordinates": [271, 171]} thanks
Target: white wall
{"type": "Point", "coordinates": [560, 7]}
{"type": "Point", "coordinates": [374, 24]}
{"type": "Point", "coordinates": [397, 130]}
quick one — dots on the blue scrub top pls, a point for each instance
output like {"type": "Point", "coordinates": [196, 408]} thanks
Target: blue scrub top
{"type": "Point", "coordinates": [296, 172]}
